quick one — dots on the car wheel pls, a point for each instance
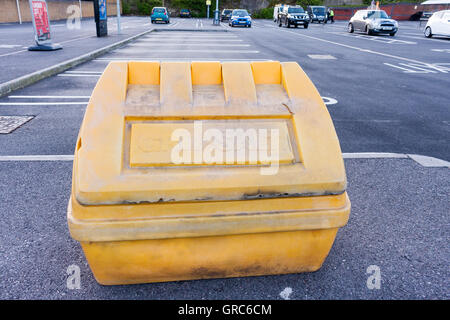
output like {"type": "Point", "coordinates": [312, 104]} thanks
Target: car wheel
{"type": "Point", "coordinates": [249, 25]}
{"type": "Point", "coordinates": [428, 32]}
{"type": "Point", "coordinates": [392, 34]}
{"type": "Point", "coordinates": [350, 28]}
{"type": "Point", "coordinates": [296, 25]}
{"type": "Point", "coordinates": [279, 22]}
{"type": "Point", "coordinates": [288, 24]}
{"type": "Point", "coordinates": [305, 26]}
{"type": "Point", "coordinates": [368, 31]}
{"type": "Point", "coordinates": [325, 22]}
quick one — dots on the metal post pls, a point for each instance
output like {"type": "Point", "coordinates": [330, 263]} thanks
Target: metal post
{"type": "Point", "coordinates": [118, 16]}
{"type": "Point", "coordinates": [207, 12]}
{"type": "Point", "coordinates": [18, 11]}
{"type": "Point", "coordinates": [81, 10]}
{"type": "Point", "coordinates": [216, 20]}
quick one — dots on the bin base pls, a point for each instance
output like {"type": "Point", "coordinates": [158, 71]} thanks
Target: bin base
{"type": "Point", "coordinates": [159, 260]}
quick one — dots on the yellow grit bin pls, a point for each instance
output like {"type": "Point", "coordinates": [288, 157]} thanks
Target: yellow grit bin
{"type": "Point", "coordinates": [194, 170]}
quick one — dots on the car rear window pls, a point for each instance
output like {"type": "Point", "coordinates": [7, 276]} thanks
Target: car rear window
{"type": "Point", "coordinates": [158, 10]}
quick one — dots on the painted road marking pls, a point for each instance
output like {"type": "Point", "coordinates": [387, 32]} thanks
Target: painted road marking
{"type": "Point", "coordinates": [78, 75]}
{"type": "Point", "coordinates": [130, 50]}
{"type": "Point", "coordinates": [42, 103]}
{"type": "Point", "coordinates": [49, 97]}
{"type": "Point", "coordinates": [421, 68]}
{"type": "Point", "coordinates": [329, 101]}
{"type": "Point", "coordinates": [321, 56]}
{"type": "Point", "coordinates": [441, 50]}
{"type": "Point", "coordinates": [365, 50]}
{"type": "Point", "coordinates": [191, 41]}
{"type": "Point", "coordinates": [175, 59]}
{"type": "Point", "coordinates": [286, 293]}
{"type": "Point", "coordinates": [9, 46]}
{"type": "Point", "coordinates": [374, 38]}
{"type": "Point", "coordinates": [85, 72]}
{"type": "Point", "coordinates": [420, 159]}
{"type": "Point", "coordinates": [203, 44]}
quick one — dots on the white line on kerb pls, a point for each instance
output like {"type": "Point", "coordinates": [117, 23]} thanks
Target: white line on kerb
{"type": "Point", "coordinates": [424, 161]}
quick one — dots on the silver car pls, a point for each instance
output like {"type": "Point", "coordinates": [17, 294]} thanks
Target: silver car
{"type": "Point", "coordinates": [373, 22]}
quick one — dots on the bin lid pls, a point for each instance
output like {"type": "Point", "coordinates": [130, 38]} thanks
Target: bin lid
{"type": "Point", "coordinates": [198, 131]}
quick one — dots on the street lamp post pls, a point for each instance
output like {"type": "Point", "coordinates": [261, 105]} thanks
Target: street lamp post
{"type": "Point", "coordinates": [216, 21]}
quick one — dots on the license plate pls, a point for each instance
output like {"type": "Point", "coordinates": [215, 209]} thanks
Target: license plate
{"type": "Point", "coordinates": [387, 28]}
{"type": "Point", "coordinates": [241, 21]}
{"type": "Point", "coordinates": [158, 18]}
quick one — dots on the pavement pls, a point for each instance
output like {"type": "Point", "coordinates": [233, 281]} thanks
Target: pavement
{"type": "Point", "coordinates": [386, 96]}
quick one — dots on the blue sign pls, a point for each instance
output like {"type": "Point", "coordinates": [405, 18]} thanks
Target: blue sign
{"type": "Point", "coordinates": [102, 9]}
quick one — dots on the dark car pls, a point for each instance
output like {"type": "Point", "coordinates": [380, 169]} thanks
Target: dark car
{"type": "Point", "coordinates": [185, 13]}
{"type": "Point", "coordinates": [225, 15]}
{"type": "Point", "coordinates": [293, 16]}
{"type": "Point", "coordinates": [317, 14]}
{"type": "Point", "coordinates": [372, 22]}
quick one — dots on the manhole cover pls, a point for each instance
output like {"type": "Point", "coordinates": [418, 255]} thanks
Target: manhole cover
{"type": "Point", "coordinates": [10, 123]}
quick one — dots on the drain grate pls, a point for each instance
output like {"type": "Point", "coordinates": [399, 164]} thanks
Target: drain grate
{"type": "Point", "coordinates": [10, 123]}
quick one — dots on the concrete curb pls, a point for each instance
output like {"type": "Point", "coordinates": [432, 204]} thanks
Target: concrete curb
{"type": "Point", "coordinates": [31, 78]}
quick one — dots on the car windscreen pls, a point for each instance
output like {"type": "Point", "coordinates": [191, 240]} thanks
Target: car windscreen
{"type": "Point", "coordinates": [378, 14]}
{"type": "Point", "coordinates": [319, 11]}
{"type": "Point", "coordinates": [226, 11]}
{"type": "Point", "coordinates": [240, 13]}
{"type": "Point", "coordinates": [184, 10]}
{"type": "Point", "coordinates": [296, 10]}
{"type": "Point", "coordinates": [158, 10]}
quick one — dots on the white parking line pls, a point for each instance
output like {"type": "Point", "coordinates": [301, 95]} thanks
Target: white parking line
{"type": "Point", "coordinates": [78, 75]}
{"type": "Point", "coordinates": [49, 97]}
{"type": "Point", "coordinates": [136, 51]}
{"type": "Point", "coordinates": [42, 103]}
{"type": "Point", "coordinates": [203, 44]}
{"type": "Point", "coordinates": [424, 161]}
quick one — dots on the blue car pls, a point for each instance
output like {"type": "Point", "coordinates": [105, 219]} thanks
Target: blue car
{"type": "Point", "coordinates": [160, 14]}
{"type": "Point", "coordinates": [240, 17]}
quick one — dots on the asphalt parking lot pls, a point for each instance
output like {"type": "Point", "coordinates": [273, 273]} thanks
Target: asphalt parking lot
{"type": "Point", "coordinates": [387, 96]}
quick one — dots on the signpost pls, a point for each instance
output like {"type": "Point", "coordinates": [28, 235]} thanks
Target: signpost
{"type": "Point", "coordinates": [208, 3]}
{"type": "Point", "coordinates": [41, 25]}
{"type": "Point", "coordinates": [101, 18]}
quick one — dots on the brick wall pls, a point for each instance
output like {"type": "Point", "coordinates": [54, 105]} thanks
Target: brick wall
{"type": "Point", "coordinates": [57, 9]}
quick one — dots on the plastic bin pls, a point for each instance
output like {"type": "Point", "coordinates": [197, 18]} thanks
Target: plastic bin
{"type": "Point", "coordinates": [158, 194]}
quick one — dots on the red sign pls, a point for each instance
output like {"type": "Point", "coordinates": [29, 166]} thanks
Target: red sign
{"type": "Point", "coordinates": [39, 9]}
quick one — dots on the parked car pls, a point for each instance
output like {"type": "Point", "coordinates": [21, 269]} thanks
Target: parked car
{"type": "Point", "coordinates": [293, 16]}
{"type": "Point", "coordinates": [160, 14]}
{"type": "Point", "coordinates": [317, 13]}
{"type": "Point", "coordinates": [438, 24]}
{"type": "Point", "coordinates": [276, 11]}
{"type": "Point", "coordinates": [373, 22]}
{"type": "Point", "coordinates": [226, 15]}
{"type": "Point", "coordinates": [240, 17]}
{"type": "Point", "coordinates": [185, 13]}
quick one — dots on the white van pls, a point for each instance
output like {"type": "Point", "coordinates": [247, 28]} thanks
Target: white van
{"type": "Point", "coordinates": [276, 11]}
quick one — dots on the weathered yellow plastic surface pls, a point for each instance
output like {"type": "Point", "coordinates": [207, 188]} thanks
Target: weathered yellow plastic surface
{"type": "Point", "coordinates": [142, 218]}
